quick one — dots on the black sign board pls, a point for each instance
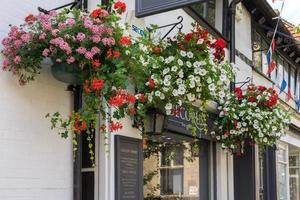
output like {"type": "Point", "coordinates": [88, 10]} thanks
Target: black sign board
{"type": "Point", "coordinates": [129, 168]}
{"type": "Point", "coordinates": [180, 124]}
{"type": "Point", "coordinates": [150, 7]}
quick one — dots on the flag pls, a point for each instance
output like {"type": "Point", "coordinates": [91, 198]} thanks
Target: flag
{"type": "Point", "coordinates": [273, 45]}
{"type": "Point", "coordinates": [289, 94]}
{"type": "Point", "coordinates": [283, 86]}
{"type": "Point", "coordinates": [298, 105]}
{"type": "Point", "coordinates": [272, 66]}
{"type": "Point", "coordinates": [269, 55]}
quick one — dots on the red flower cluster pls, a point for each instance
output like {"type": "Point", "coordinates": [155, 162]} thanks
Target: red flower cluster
{"type": "Point", "coordinates": [252, 93]}
{"type": "Point", "coordinates": [96, 85]}
{"type": "Point", "coordinates": [79, 125]}
{"type": "Point", "coordinates": [30, 19]}
{"type": "Point", "coordinates": [125, 40]}
{"type": "Point", "coordinates": [99, 13]}
{"type": "Point", "coordinates": [115, 126]}
{"type": "Point", "coordinates": [151, 83]}
{"type": "Point", "coordinates": [114, 53]}
{"type": "Point", "coordinates": [120, 7]}
{"type": "Point", "coordinates": [238, 93]}
{"type": "Point", "coordinates": [219, 46]}
{"type": "Point", "coordinates": [96, 63]}
{"type": "Point", "coordinates": [121, 98]}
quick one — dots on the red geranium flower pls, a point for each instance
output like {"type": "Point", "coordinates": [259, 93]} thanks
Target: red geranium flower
{"type": "Point", "coordinates": [99, 12]}
{"type": "Point", "coordinates": [142, 97]}
{"type": "Point", "coordinates": [120, 7]}
{"type": "Point", "coordinates": [96, 63]}
{"type": "Point", "coordinates": [115, 126]}
{"type": "Point", "coordinates": [132, 110]}
{"type": "Point", "coordinates": [220, 43]}
{"type": "Point", "coordinates": [261, 88]}
{"type": "Point", "coordinates": [131, 98]}
{"type": "Point", "coordinates": [30, 18]}
{"type": "Point", "coordinates": [117, 54]}
{"type": "Point", "coordinates": [238, 93]}
{"type": "Point", "coordinates": [86, 87]}
{"type": "Point", "coordinates": [151, 83]}
{"type": "Point", "coordinates": [97, 84]}
{"type": "Point", "coordinates": [188, 37]}
{"type": "Point", "coordinates": [251, 99]}
{"type": "Point", "coordinates": [125, 40]}
{"type": "Point", "coordinates": [235, 124]}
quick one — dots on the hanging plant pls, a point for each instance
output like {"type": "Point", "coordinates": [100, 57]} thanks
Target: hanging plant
{"type": "Point", "coordinates": [92, 49]}
{"type": "Point", "coordinates": [187, 70]}
{"type": "Point", "coordinates": [253, 115]}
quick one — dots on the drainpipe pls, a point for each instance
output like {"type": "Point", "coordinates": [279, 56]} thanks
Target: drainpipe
{"type": "Point", "coordinates": [77, 176]}
{"type": "Point", "coordinates": [232, 8]}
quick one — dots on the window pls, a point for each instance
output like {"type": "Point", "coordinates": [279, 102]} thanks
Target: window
{"type": "Point", "coordinates": [206, 9]}
{"type": "Point", "coordinates": [256, 43]}
{"type": "Point", "coordinates": [282, 172]}
{"type": "Point", "coordinates": [172, 167]}
{"type": "Point", "coordinates": [294, 169]}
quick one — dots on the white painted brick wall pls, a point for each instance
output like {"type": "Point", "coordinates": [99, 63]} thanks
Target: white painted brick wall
{"type": "Point", "coordinates": [35, 163]}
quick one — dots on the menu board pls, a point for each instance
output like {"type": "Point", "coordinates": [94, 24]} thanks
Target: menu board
{"type": "Point", "coordinates": [129, 168]}
{"type": "Point", "coordinates": [150, 7]}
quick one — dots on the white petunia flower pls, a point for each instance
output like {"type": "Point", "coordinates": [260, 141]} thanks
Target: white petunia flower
{"type": "Point", "coordinates": [166, 70]}
{"type": "Point", "coordinates": [174, 69]}
{"type": "Point", "coordinates": [180, 74]}
{"type": "Point", "coordinates": [179, 81]}
{"type": "Point", "coordinates": [197, 70]}
{"type": "Point", "coordinates": [175, 93]}
{"type": "Point", "coordinates": [188, 64]}
{"type": "Point", "coordinates": [168, 106]}
{"type": "Point", "coordinates": [211, 87]}
{"type": "Point", "coordinates": [168, 77]}
{"type": "Point", "coordinates": [182, 53]}
{"type": "Point", "coordinates": [191, 97]}
{"type": "Point", "coordinates": [192, 84]}
{"type": "Point", "coordinates": [157, 93]}
{"type": "Point", "coordinates": [197, 64]}
{"type": "Point", "coordinates": [167, 82]}
{"type": "Point", "coordinates": [162, 96]}
{"type": "Point", "coordinates": [180, 62]}
{"type": "Point", "coordinates": [190, 54]}
{"type": "Point", "coordinates": [181, 90]}
{"type": "Point", "coordinates": [202, 72]}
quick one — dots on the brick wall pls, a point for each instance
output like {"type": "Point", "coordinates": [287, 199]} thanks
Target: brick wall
{"type": "Point", "coordinates": [35, 163]}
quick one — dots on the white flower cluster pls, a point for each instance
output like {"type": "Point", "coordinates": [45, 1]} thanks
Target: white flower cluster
{"type": "Point", "coordinates": [241, 120]}
{"type": "Point", "coordinates": [185, 77]}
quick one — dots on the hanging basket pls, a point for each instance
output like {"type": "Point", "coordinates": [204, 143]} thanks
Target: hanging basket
{"type": "Point", "coordinates": [67, 73]}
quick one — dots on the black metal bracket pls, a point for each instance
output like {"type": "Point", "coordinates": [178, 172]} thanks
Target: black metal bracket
{"type": "Point", "coordinates": [247, 80]}
{"type": "Point", "coordinates": [75, 4]}
{"type": "Point", "coordinates": [178, 24]}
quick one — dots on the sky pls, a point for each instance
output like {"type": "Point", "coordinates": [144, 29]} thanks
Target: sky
{"type": "Point", "coordinates": [291, 10]}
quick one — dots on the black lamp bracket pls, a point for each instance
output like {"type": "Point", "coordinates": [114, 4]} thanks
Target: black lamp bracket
{"type": "Point", "coordinates": [178, 24]}
{"type": "Point", "coordinates": [75, 4]}
{"type": "Point", "coordinates": [248, 80]}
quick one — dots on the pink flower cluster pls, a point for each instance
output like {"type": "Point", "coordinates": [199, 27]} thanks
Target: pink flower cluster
{"type": "Point", "coordinates": [63, 45]}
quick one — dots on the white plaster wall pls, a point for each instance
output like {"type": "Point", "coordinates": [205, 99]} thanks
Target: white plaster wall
{"type": "Point", "coordinates": [243, 31]}
{"type": "Point", "coordinates": [35, 163]}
